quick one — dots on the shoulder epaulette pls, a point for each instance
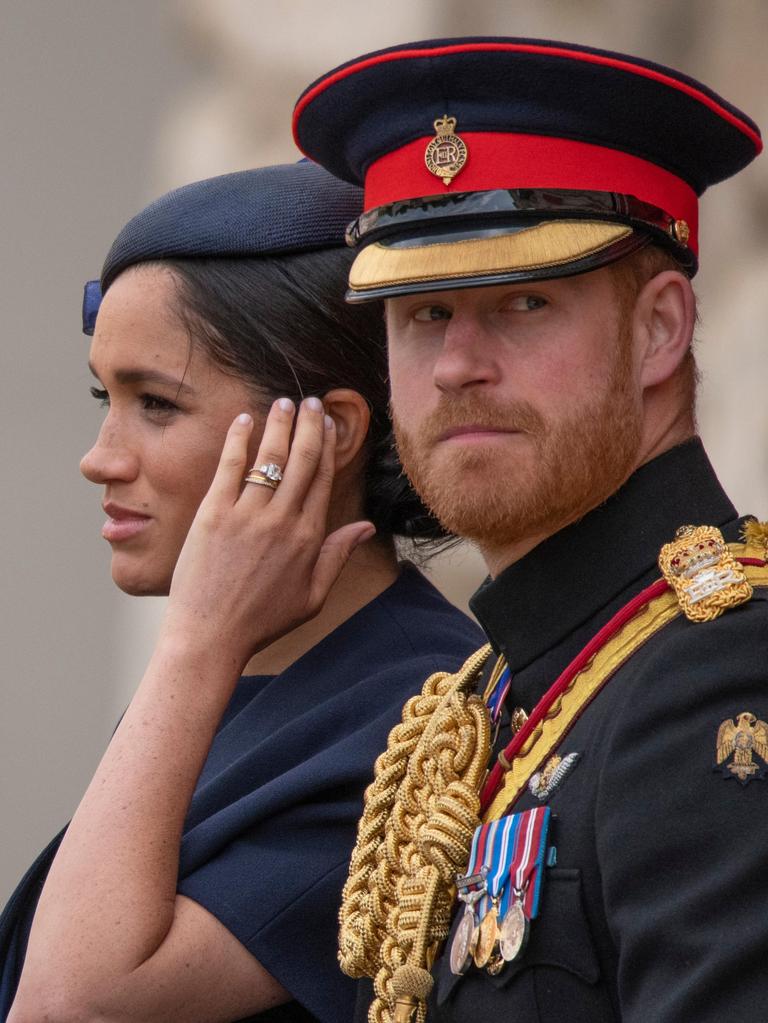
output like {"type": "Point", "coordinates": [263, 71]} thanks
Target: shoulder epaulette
{"type": "Point", "coordinates": [704, 573]}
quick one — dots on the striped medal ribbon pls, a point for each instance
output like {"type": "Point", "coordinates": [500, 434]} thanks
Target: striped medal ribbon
{"type": "Point", "coordinates": [496, 692]}
{"type": "Point", "coordinates": [508, 854]}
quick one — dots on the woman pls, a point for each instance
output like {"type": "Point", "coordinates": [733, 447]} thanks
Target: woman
{"type": "Point", "coordinates": [200, 876]}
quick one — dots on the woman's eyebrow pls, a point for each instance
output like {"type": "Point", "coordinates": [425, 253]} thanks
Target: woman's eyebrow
{"type": "Point", "coordinates": [147, 376]}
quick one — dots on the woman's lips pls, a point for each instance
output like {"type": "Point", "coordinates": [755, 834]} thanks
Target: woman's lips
{"type": "Point", "coordinates": [122, 523]}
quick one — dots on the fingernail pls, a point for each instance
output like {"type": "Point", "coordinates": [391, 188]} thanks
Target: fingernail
{"type": "Point", "coordinates": [314, 404]}
{"type": "Point", "coordinates": [244, 418]}
{"type": "Point", "coordinates": [285, 405]}
{"type": "Point", "coordinates": [329, 423]}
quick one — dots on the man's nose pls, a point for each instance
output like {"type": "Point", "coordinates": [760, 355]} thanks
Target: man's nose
{"type": "Point", "coordinates": [468, 356]}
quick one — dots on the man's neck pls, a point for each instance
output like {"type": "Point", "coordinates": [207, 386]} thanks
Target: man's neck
{"type": "Point", "coordinates": [500, 556]}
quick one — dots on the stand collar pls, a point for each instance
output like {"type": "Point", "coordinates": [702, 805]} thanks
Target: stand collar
{"type": "Point", "coordinates": [569, 577]}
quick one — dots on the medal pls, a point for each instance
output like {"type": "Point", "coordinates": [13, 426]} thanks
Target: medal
{"type": "Point", "coordinates": [487, 938]}
{"type": "Point", "coordinates": [513, 933]}
{"type": "Point", "coordinates": [464, 942]}
{"type": "Point", "coordinates": [495, 964]}
{"type": "Point", "coordinates": [465, 938]}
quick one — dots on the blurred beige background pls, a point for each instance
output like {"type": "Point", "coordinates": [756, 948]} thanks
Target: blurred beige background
{"type": "Point", "coordinates": [105, 105]}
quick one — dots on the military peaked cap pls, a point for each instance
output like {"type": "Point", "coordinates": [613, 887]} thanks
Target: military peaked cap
{"type": "Point", "coordinates": [487, 160]}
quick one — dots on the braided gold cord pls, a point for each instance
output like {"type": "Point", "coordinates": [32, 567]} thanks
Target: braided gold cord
{"type": "Point", "coordinates": [415, 834]}
{"type": "Point", "coordinates": [362, 911]}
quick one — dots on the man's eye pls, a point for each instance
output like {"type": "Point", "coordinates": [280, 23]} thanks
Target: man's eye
{"type": "Point", "coordinates": [427, 313]}
{"type": "Point", "coordinates": [525, 303]}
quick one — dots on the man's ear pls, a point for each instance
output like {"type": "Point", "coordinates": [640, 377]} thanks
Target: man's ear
{"type": "Point", "coordinates": [663, 322]}
{"type": "Point", "coordinates": [352, 416]}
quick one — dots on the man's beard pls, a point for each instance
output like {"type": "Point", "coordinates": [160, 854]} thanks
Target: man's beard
{"type": "Point", "coordinates": [498, 497]}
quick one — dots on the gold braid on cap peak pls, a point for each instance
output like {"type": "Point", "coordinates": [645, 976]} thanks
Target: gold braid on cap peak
{"type": "Point", "coordinates": [421, 811]}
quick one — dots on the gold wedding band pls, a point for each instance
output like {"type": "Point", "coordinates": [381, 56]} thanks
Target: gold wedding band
{"type": "Point", "coordinates": [261, 479]}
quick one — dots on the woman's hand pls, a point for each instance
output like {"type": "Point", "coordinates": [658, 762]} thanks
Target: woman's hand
{"type": "Point", "coordinates": [257, 562]}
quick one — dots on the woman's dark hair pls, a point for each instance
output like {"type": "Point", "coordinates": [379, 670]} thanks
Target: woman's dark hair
{"type": "Point", "coordinates": [281, 324]}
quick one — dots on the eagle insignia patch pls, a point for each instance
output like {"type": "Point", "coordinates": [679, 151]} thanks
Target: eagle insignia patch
{"type": "Point", "coordinates": [743, 739]}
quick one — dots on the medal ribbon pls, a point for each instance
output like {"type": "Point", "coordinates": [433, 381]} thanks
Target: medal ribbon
{"type": "Point", "coordinates": [480, 860]}
{"type": "Point", "coordinates": [494, 700]}
{"type": "Point", "coordinates": [512, 851]}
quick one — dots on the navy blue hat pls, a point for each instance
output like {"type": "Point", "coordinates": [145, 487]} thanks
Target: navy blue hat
{"type": "Point", "coordinates": [268, 211]}
{"type": "Point", "coordinates": [486, 160]}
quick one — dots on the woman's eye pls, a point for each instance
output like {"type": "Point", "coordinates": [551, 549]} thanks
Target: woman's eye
{"type": "Point", "coordinates": [101, 396]}
{"type": "Point", "coordinates": [427, 313]}
{"type": "Point", "coordinates": [525, 303]}
{"type": "Point", "coordinates": [154, 403]}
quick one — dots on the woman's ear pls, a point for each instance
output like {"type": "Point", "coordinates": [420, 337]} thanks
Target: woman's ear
{"type": "Point", "coordinates": [352, 416]}
{"type": "Point", "coordinates": [663, 322]}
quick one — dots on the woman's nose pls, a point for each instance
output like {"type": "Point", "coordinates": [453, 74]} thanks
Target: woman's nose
{"type": "Point", "coordinates": [110, 459]}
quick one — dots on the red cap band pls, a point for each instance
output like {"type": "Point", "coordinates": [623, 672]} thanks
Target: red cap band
{"type": "Point", "coordinates": [503, 160]}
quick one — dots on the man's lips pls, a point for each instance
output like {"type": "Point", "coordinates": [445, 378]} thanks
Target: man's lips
{"type": "Point", "coordinates": [476, 431]}
{"type": "Point", "coordinates": [122, 523]}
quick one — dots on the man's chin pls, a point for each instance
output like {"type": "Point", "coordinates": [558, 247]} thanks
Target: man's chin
{"type": "Point", "coordinates": [469, 490]}
{"type": "Point", "coordinates": [458, 474]}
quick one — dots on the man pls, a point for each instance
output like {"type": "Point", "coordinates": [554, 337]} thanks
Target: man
{"type": "Point", "coordinates": [531, 222]}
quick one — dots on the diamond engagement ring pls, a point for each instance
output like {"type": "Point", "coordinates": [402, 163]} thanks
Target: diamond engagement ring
{"type": "Point", "coordinates": [272, 471]}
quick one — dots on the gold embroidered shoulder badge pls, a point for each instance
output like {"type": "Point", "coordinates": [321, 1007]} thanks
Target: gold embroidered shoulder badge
{"type": "Point", "coordinates": [705, 576]}
{"type": "Point", "coordinates": [741, 739]}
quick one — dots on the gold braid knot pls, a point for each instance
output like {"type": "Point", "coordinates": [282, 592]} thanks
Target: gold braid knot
{"type": "Point", "coordinates": [421, 811]}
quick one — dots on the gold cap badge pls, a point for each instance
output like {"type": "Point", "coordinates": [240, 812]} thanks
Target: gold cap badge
{"type": "Point", "coordinates": [446, 154]}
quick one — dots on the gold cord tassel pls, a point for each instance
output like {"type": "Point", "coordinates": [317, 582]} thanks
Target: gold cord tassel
{"type": "Point", "coordinates": [420, 814]}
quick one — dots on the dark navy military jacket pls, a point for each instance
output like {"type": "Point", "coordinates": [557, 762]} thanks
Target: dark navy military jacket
{"type": "Point", "coordinates": [657, 908]}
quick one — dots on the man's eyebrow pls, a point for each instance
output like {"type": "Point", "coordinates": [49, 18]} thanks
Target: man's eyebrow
{"type": "Point", "coordinates": [147, 376]}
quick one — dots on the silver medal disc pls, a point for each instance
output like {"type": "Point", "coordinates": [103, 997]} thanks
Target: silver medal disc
{"type": "Point", "coordinates": [463, 943]}
{"type": "Point", "coordinates": [513, 933]}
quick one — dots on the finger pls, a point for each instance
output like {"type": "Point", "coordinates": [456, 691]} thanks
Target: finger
{"type": "Point", "coordinates": [319, 493]}
{"type": "Point", "coordinates": [229, 473]}
{"type": "Point", "coordinates": [273, 447]}
{"type": "Point", "coordinates": [334, 554]}
{"type": "Point", "coordinates": [305, 455]}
